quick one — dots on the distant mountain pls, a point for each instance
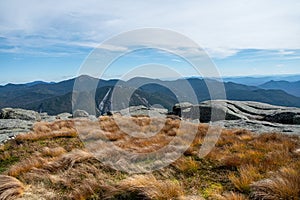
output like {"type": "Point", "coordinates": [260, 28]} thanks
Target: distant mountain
{"type": "Point", "coordinates": [14, 95]}
{"type": "Point", "coordinates": [292, 88]}
{"type": "Point", "coordinates": [27, 84]}
{"type": "Point", "coordinates": [256, 81]}
{"type": "Point", "coordinates": [57, 97]}
{"type": "Point", "coordinates": [38, 83]}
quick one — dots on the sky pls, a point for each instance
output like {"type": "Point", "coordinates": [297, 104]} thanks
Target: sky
{"type": "Point", "coordinates": [51, 40]}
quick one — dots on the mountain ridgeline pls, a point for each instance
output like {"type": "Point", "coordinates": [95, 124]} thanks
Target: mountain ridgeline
{"type": "Point", "coordinates": [55, 98]}
{"type": "Point", "coordinates": [292, 88]}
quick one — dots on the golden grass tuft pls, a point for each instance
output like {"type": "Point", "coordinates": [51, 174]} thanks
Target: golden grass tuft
{"type": "Point", "coordinates": [267, 152]}
{"type": "Point", "coordinates": [146, 187]}
{"type": "Point", "coordinates": [85, 181]}
{"type": "Point", "coordinates": [38, 192]}
{"type": "Point", "coordinates": [46, 130]}
{"type": "Point", "coordinates": [247, 175]}
{"type": "Point", "coordinates": [82, 180]}
{"type": "Point", "coordinates": [10, 188]}
{"type": "Point", "coordinates": [26, 165]}
{"type": "Point", "coordinates": [53, 152]}
{"type": "Point", "coordinates": [186, 165]}
{"type": "Point", "coordinates": [68, 160]}
{"type": "Point", "coordinates": [284, 184]}
{"type": "Point", "coordinates": [90, 187]}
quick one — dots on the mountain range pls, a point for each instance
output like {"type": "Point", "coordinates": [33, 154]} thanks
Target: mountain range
{"type": "Point", "coordinates": [259, 80]}
{"type": "Point", "coordinates": [292, 88]}
{"type": "Point", "coordinates": [55, 98]}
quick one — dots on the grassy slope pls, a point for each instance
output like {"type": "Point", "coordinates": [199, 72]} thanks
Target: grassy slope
{"type": "Point", "coordinates": [51, 163]}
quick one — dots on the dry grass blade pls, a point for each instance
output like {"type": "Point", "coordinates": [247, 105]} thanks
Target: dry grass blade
{"type": "Point", "coordinates": [10, 188]}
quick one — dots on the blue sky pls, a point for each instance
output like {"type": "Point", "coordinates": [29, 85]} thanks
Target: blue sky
{"type": "Point", "coordinates": [50, 40]}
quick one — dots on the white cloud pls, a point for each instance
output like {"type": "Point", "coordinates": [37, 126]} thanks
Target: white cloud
{"type": "Point", "coordinates": [222, 27]}
{"type": "Point", "coordinates": [282, 52]}
{"type": "Point", "coordinates": [280, 65]}
{"type": "Point", "coordinates": [112, 47]}
{"type": "Point", "coordinates": [221, 52]}
{"type": "Point", "coordinates": [176, 60]}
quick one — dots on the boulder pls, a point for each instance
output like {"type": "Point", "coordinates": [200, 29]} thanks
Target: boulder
{"type": "Point", "coordinates": [142, 111]}
{"type": "Point", "coordinates": [93, 118]}
{"type": "Point", "coordinates": [17, 113]}
{"type": "Point", "coordinates": [80, 114]}
{"type": "Point", "coordinates": [64, 116]}
{"type": "Point", "coordinates": [181, 108]}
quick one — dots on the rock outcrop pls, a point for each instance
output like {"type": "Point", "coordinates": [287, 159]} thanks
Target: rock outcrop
{"type": "Point", "coordinates": [16, 113]}
{"type": "Point", "coordinates": [142, 111]}
{"type": "Point", "coordinates": [12, 127]}
{"type": "Point", "coordinates": [236, 110]}
{"type": "Point", "coordinates": [14, 121]}
{"type": "Point", "coordinates": [254, 116]}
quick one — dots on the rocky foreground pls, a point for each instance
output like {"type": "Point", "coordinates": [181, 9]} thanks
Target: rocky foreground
{"type": "Point", "coordinates": [253, 116]}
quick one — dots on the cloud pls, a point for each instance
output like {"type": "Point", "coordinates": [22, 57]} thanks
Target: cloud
{"type": "Point", "coordinates": [176, 60]}
{"type": "Point", "coordinates": [112, 47]}
{"type": "Point", "coordinates": [221, 52]}
{"type": "Point", "coordinates": [221, 27]}
{"type": "Point", "coordinates": [280, 65]}
{"type": "Point", "coordinates": [282, 52]}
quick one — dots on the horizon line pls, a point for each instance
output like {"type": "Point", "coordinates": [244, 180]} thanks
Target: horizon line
{"type": "Point", "coordinates": [162, 79]}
